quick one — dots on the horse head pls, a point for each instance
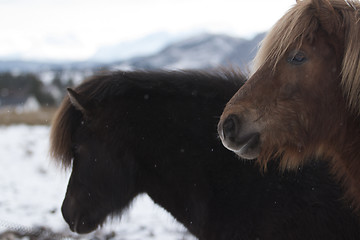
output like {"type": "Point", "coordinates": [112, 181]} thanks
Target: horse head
{"type": "Point", "coordinates": [103, 174]}
{"type": "Point", "coordinates": [302, 99]}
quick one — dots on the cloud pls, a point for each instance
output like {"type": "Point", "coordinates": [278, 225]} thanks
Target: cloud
{"type": "Point", "coordinates": [62, 40]}
{"type": "Point", "coordinates": [76, 26]}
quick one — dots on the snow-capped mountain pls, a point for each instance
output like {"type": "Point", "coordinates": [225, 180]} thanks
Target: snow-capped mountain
{"type": "Point", "coordinates": [199, 52]}
{"type": "Point", "coordinates": [147, 45]}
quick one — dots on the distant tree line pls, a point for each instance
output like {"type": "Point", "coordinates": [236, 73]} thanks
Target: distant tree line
{"type": "Point", "coordinates": [25, 84]}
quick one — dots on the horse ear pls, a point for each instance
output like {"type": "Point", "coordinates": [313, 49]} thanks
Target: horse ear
{"type": "Point", "coordinates": [78, 101]}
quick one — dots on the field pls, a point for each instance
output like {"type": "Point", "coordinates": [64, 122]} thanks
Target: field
{"type": "Point", "coordinates": [32, 189]}
{"type": "Point", "coordinates": [41, 117]}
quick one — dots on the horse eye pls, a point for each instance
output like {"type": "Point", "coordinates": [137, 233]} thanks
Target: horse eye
{"type": "Point", "coordinates": [297, 58]}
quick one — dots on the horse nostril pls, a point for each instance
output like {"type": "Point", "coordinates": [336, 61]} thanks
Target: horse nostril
{"type": "Point", "coordinates": [230, 126]}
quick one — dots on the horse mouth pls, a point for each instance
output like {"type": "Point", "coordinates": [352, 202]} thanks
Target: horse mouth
{"type": "Point", "coordinates": [82, 225]}
{"type": "Point", "coordinates": [82, 222]}
{"type": "Point", "coordinates": [247, 147]}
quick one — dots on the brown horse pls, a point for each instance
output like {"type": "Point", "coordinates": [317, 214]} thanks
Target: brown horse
{"type": "Point", "coordinates": [302, 99]}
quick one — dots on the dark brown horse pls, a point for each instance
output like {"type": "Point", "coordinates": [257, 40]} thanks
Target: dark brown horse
{"type": "Point", "coordinates": [128, 133]}
{"type": "Point", "coordinates": [303, 98]}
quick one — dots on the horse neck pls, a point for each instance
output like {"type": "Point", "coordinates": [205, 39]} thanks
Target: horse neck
{"type": "Point", "coordinates": [183, 192]}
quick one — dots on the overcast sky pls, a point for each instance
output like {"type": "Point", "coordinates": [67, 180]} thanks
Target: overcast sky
{"type": "Point", "coordinates": [75, 29]}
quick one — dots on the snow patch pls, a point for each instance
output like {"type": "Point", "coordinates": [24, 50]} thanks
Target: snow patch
{"type": "Point", "coordinates": [32, 190]}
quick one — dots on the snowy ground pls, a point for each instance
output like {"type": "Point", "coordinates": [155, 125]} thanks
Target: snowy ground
{"type": "Point", "coordinates": [32, 190]}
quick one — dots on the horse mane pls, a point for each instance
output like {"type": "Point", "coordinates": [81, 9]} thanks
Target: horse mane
{"type": "Point", "coordinates": [61, 132]}
{"type": "Point", "coordinates": [101, 86]}
{"type": "Point", "coordinates": [339, 18]}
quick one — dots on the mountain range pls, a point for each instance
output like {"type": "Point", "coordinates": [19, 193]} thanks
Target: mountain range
{"type": "Point", "coordinates": [198, 52]}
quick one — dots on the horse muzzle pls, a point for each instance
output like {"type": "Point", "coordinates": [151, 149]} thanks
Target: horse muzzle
{"type": "Point", "coordinates": [79, 220]}
{"type": "Point", "coordinates": [239, 139]}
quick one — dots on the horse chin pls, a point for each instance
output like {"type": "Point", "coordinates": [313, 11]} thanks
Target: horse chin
{"type": "Point", "coordinates": [84, 225]}
{"type": "Point", "coordinates": [83, 221]}
{"type": "Point", "coordinates": [250, 155]}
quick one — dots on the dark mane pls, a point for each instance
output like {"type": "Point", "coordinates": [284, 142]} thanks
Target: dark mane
{"type": "Point", "coordinates": [106, 85]}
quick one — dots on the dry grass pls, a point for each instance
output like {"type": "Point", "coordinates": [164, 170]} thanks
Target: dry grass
{"type": "Point", "coordinates": [42, 117]}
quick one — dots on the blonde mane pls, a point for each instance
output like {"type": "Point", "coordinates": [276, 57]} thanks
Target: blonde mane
{"type": "Point", "coordinates": [340, 18]}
